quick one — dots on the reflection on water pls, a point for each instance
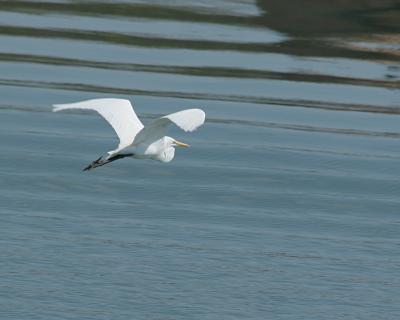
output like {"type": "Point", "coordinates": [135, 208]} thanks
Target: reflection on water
{"type": "Point", "coordinates": [344, 24]}
{"type": "Point", "coordinates": [285, 207]}
{"type": "Point", "coordinates": [327, 19]}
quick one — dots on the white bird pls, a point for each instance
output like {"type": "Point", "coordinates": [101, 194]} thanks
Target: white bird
{"type": "Point", "coordinates": [135, 140]}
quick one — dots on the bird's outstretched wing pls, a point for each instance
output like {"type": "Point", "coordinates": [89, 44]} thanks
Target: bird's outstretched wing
{"type": "Point", "coordinates": [188, 120]}
{"type": "Point", "coordinates": [119, 114]}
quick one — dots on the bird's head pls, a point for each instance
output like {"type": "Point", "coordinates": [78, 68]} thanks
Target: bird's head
{"type": "Point", "coordinates": [169, 149]}
{"type": "Point", "coordinates": [171, 142]}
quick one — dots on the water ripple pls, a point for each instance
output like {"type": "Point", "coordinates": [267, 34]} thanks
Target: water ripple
{"type": "Point", "coordinates": [204, 96]}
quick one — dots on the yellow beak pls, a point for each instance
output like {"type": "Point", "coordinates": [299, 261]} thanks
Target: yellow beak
{"type": "Point", "coordinates": [181, 144]}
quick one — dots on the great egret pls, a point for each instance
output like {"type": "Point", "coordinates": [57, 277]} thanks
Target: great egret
{"type": "Point", "coordinates": [135, 140]}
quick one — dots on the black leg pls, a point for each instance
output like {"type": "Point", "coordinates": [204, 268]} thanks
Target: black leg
{"type": "Point", "coordinates": [99, 162]}
{"type": "Point", "coordinates": [119, 156]}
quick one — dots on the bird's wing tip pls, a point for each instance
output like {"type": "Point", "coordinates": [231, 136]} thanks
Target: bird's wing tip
{"type": "Point", "coordinates": [203, 116]}
{"type": "Point", "coordinates": [56, 107]}
{"type": "Point", "coordinates": [200, 111]}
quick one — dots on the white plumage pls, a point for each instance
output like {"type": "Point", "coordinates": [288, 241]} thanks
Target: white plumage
{"type": "Point", "coordinates": [135, 140]}
{"type": "Point", "coordinates": [188, 120]}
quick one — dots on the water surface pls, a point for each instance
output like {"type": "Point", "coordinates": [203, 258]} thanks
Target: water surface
{"type": "Point", "coordinates": [285, 207]}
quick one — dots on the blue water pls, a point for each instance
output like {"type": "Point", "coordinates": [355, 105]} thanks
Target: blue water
{"type": "Point", "coordinates": [286, 206]}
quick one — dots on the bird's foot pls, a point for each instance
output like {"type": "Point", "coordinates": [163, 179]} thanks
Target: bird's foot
{"type": "Point", "coordinates": [96, 163]}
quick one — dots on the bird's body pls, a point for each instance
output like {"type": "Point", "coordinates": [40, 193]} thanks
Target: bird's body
{"type": "Point", "coordinates": [137, 141]}
{"type": "Point", "coordinates": [160, 150]}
